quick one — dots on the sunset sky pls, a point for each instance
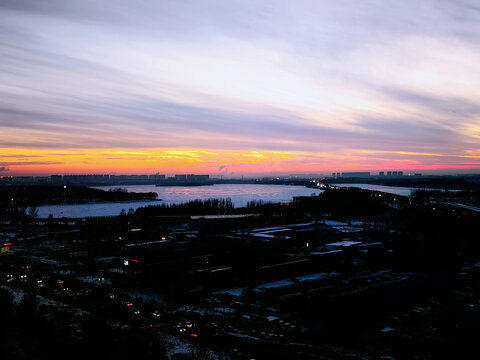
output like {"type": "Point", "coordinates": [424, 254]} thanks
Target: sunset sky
{"type": "Point", "coordinates": [239, 87]}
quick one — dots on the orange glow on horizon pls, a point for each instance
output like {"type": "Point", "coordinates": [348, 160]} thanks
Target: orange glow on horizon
{"type": "Point", "coordinates": [24, 161]}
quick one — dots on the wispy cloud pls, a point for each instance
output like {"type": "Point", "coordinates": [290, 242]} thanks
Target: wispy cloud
{"type": "Point", "coordinates": [319, 79]}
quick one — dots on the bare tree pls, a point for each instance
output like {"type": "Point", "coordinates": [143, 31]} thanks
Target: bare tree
{"type": "Point", "coordinates": [33, 213]}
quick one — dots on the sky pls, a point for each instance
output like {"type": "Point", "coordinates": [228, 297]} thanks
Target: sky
{"type": "Point", "coordinates": [239, 87]}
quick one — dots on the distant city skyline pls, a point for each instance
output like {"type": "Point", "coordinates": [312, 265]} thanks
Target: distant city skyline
{"type": "Point", "coordinates": [239, 87]}
{"type": "Point", "coordinates": [339, 174]}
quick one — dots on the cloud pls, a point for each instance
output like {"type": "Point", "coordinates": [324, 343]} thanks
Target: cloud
{"type": "Point", "coordinates": [453, 107]}
{"type": "Point", "coordinates": [4, 169]}
{"type": "Point", "coordinates": [310, 76]}
{"type": "Point", "coordinates": [29, 163]}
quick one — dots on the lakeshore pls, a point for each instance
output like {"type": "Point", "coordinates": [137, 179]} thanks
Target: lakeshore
{"type": "Point", "coordinates": [240, 194]}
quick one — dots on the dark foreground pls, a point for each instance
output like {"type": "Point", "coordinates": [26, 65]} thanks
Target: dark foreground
{"type": "Point", "coordinates": [349, 274]}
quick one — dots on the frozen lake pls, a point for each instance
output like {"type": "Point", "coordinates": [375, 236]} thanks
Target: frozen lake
{"type": "Point", "coordinates": [396, 190]}
{"type": "Point", "coordinates": [240, 194]}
